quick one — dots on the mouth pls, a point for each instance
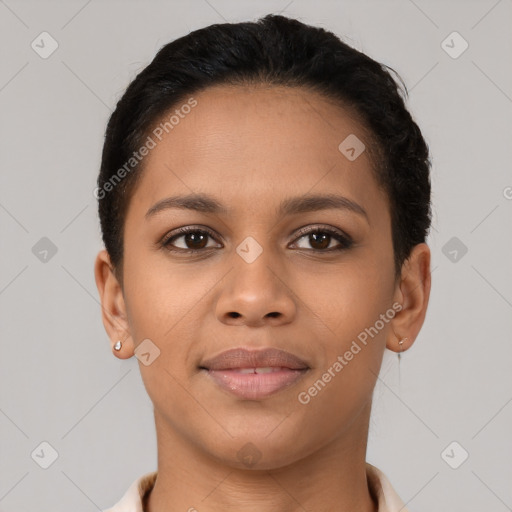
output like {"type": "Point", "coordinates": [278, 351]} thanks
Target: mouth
{"type": "Point", "coordinates": [254, 375]}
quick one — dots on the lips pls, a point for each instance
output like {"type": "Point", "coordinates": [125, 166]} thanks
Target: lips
{"type": "Point", "coordinates": [239, 358]}
{"type": "Point", "coordinates": [254, 375]}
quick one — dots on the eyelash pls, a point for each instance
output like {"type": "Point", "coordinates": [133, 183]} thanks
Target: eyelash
{"type": "Point", "coordinates": [345, 241]}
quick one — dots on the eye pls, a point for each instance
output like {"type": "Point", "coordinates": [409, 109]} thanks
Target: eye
{"type": "Point", "coordinates": [320, 238]}
{"type": "Point", "coordinates": [194, 239]}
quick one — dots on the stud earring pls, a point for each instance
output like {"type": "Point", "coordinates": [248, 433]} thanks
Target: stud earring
{"type": "Point", "coordinates": [401, 342]}
{"type": "Point", "coordinates": [118, 345]}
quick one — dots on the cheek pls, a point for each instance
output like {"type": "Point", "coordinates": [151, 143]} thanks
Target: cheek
{"type": "Point", "coordinates": [355, 313]}
{"type": "Point", "coordinates": [158, 294]}
{"type": "Point", "coordinates": [166, 304]}
{"type": "Point", "coordinates": [354, 344]}
{"type": "Point", "coordinates": [348, 298]}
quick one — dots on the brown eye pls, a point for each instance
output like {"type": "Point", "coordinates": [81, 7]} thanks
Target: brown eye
{"type": "Point", "coordinates": [194, 239]}
{"type": "Point", "coordinates": [321, 239]}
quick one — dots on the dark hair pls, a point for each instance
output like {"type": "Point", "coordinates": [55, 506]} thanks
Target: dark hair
{"type": "Point", "coordinates": [273, 50]}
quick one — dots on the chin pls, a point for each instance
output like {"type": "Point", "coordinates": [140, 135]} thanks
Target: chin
{"type": "Point", "coordinates": [257, 449]}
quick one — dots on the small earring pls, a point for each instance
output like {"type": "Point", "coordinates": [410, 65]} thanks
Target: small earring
{"type": "Point", "coordinates": [117, 346]}
{"type": "Point", "coordinates": [401, 347]}
{"type": "Point", "coordinates": [401, 342]}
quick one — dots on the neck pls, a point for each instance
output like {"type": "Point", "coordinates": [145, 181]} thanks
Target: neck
{"type": "Point", "coordinates": [333, 478]}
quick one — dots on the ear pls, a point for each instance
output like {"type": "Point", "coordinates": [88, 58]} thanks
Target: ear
{"type": "Point", "coordinates": [413, 292]}
{"type": "Point", "coordinates": [112, 306]}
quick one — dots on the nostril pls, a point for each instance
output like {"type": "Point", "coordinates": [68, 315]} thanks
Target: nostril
{"type": "Point", "coordinates": [234, 314]}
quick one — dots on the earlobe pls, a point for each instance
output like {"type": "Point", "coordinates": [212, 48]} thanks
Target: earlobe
{"type": "Point", "coordinates": [413, 294]}
{"type": "Point", "coordinates": [113, 307]}
{"type": "Point", "coordinates": [122, 350]}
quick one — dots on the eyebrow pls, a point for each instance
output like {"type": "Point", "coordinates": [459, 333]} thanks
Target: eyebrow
{"type": "Point", "coordinates": [291, 206]}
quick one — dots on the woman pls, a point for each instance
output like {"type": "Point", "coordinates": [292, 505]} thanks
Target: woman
{"type": "Point", "coordinates": [264, 199]}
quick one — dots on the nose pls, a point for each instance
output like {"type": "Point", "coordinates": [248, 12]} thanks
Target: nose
{"type": "Point", "coordinates": [256, 293]}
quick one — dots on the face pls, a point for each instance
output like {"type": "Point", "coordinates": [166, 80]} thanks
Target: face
{"type": "Point", "coordinates": [264, 264]}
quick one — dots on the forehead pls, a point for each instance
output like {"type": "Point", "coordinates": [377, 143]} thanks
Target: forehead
{"type": "Point", "coordinates": [255, 145]}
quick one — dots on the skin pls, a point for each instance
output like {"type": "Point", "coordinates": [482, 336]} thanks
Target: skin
{"type": "Point", "coordinates": [251, 148]}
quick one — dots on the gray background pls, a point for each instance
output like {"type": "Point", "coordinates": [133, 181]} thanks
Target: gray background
{"type": "Point", "coordinates": [60, 382]}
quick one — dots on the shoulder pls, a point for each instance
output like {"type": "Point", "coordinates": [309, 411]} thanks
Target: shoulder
{"type": "Point", "coordinates": [132, 498]}
{"type": "Point", "coordinates": [382, 490]}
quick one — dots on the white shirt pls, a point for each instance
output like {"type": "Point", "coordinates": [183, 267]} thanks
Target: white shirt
{"type": "Point", "coordinates": [387, 499]}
